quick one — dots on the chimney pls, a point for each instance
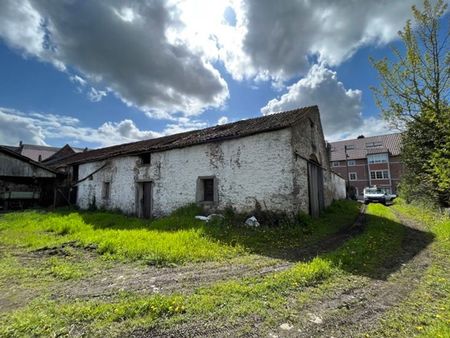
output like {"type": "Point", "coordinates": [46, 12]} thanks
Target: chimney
{"type": "Point", "coordinates": [20, 144]}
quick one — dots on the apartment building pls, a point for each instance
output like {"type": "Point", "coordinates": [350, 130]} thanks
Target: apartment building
{"type": "Point", "coordinates": [369, 161]}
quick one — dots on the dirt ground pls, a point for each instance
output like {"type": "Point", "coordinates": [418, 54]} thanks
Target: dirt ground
{"type": "Point", "coordinates": [354, 307]}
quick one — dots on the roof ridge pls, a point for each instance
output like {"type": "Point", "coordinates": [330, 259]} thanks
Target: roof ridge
{"type": "Point", "coordinates": [366, 137]}
{"type": "Point", "coordinates": [207, 128]}
{"type": "Point", "coordinates": [236, 129]}
{"type": "Point", "coordinates": [27, 159]}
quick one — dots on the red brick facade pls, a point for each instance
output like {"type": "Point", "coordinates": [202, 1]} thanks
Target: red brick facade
{"type": "Point", "coordinates": [384, 169]}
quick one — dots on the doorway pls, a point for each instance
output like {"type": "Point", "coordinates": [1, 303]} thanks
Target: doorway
{"type": "Point", "coordinates": [315, 187]}
{"type": "Point", "coordinates": [146, 200]}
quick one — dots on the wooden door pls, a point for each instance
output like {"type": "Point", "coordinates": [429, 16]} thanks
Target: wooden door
{"type": "Point", "coordinates": [315, 182]}
{"type": "Point", "coordinates": [147, 199]}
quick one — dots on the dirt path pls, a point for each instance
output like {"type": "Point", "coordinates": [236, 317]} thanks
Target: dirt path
{"type": "Point", "coordinates": [352, 308]}
{"type": "Point", "coordinates": [355, 309]}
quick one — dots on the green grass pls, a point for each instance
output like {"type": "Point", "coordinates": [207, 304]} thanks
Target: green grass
{"type": "Point", "coordinates": [264, 297]}
{"type": "Point", "coordinates": [178, 238]}
{"type": "Point", "coordinates": [267, 298]}
{"type": "Point", "coordinates": [426, 312]}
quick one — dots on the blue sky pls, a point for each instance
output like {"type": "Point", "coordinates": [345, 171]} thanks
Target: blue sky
{"type": "Point", "coordinates": [100, 73]}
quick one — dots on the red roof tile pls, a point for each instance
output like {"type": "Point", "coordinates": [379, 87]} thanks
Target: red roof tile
{"type": "Point", "coordinates": [359, 148]}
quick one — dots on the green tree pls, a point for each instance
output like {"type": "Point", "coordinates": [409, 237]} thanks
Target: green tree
{"type": "Point", "coordinates": [414, 97]}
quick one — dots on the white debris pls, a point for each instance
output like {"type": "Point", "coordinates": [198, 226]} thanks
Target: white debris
{"type": "Point", "coordinates": [286, 326]}
{"type": "Point", "coordinates": [208, 218]}
{"type": "Point", "coordinates": [252, 221]}
{"type": "Point", "coordinates": [315, 319]}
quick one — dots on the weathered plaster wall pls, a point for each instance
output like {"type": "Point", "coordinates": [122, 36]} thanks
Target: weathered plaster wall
{"type": "Point", "coordinates": [308, 142]}
{"type": "Point", "coordinates": [258, 167]}
{"type": "Point", "coordinates": [121, 173]}
{"type": "Point", "coordinates": [338, 185]}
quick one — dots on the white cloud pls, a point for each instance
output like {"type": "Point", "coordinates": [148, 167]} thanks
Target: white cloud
{"type": "Point", "coordinates": [340, 108]}
{"type": "Point", "coordinates": [276, 39]}
{"type": "Point", "coordinates": [78, 80]}
{"type": "Point", "coordinates": [222, 120]}
{"type": "Point", "coordinates": [96, 95]}
{"type": "Point", "coordinates": [370, 126]}
{"type": "Point", "coordinates": [183, 124]}
{"type": "Point", "coordinates": [283, 35]}
{"type": "Point", "coordinates": [20, 27]}
{"type": "Point", "coordinates": [41, 128]}
{"type": "Point", "coordinates": [120, 45]}
{"type": "Point", "coordinates": [15, 127]}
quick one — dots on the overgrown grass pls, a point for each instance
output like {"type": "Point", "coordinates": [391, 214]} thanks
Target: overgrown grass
{"type": "Point", "coordinates": [264, 297]}
{"type": "Point", "coordinates": [178, 238]}
{"type": "Point", "coordinates": [426, 312]}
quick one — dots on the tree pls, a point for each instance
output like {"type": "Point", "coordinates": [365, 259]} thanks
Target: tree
{"type": "Point", "coordinates": [414, 97]}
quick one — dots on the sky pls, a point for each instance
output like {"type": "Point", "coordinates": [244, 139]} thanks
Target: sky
{"type": "Point", "coordinates": [98, 73]}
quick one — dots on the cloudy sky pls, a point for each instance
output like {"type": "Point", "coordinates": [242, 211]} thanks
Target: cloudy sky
{"type": "Point", "coordinates": [96, 73]}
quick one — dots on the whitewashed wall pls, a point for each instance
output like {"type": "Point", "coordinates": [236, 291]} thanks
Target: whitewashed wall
{"type": "Point", "coordinates": [258, 167]}
{"type": "Point", "coordinates": [120, 173]}
{"type": "Point", "coordinates": [338, 184]}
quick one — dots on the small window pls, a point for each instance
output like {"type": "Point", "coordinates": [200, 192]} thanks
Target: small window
{"type": "Point", "coordinates": [379, 174]}
{"type": "Point", "coordinates": [91, 177]}
{"type": "Point", "coordinates": [106, 190]}
{"type": "Point", "coordinates": [336, 164]}
{"type": "Point", "coordinates": [351, 162]}
{"type": "Point", "coordinates": [145, 158]}
{"type": "Point", "coordinates": [352, 176]}
{"type": "Point", "coordinates": [350, 146]}
{"type": "Point", "coordinates": [208, 190]}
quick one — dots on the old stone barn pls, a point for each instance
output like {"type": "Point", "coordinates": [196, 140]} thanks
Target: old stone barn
{"type": "Point", "coordinates": [279, 161]}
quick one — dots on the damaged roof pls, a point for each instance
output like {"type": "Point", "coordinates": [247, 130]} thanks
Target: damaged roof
{"type": "Point", "coordinates": [212, 134]}
{"type": "Point", "coordinates": [26, 159]}
{"type": "Point", "coordinates": [361, 147]}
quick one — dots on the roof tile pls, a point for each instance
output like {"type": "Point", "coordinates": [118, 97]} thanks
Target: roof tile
{"type": "Point", "coordinates": [361, 147]}
{"type": "Point", "coordinates": [217, 133]}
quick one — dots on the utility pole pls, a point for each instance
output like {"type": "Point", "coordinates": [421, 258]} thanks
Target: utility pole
{"type": "Point", "coordinates": [347, 186]}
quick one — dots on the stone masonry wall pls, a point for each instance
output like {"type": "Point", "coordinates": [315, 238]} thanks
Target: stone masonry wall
{"type": "Point", "coordinates": [258, 167]}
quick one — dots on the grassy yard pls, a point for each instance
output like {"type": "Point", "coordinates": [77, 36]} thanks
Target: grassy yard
{"type": "Point", "coordinates": [367, 261]}
{"type": "Point", "coordinates": [176, 239]}
{"type": "Point", "coordinates": [426, 312]}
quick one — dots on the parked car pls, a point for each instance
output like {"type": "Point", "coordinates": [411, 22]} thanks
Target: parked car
{"type": "Point", "coordinates": [377, 195]}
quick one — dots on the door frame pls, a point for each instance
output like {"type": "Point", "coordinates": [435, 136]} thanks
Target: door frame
{"type": "Point", "coordinates": [313, 164]}
{"type": "Point", "coordinates": [140, 197]}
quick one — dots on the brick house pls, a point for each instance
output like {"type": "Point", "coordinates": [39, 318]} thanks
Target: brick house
{"type": "Point", "coordinates": [368, 161]}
